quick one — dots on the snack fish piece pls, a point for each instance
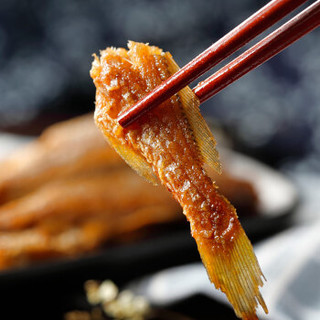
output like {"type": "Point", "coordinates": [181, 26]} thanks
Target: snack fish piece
{"type": "Point", "coordinates": [110, 193]}
{"type": "Point", "coordinates": [172, 143]}
{"type": "Point", "coordinates": [48, 240]}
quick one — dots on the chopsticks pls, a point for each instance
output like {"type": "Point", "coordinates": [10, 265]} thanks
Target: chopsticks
{"type": "Point", "coordinates": [291, 31]}
{"type": "Point", "coordinates": [278, 40]}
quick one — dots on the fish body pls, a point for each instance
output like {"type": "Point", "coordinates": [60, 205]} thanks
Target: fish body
{"type": "Point", "coordinates": [70, 148]}
{"type": "Point", "coordinates": [79, 215]}
{"type": "Point", "coordinates": [171, 144]}
{"type": "Point", "coordinates": [111, 193]}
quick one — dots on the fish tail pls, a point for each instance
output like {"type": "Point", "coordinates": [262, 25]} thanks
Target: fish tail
{"type": "Point", "coordinates": [236, 273]}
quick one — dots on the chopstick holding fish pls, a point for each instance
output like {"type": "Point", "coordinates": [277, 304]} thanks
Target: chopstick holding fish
{"type": "Point", "coordinates": [172, 143]}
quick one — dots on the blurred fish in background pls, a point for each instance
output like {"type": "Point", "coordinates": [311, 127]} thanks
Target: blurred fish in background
{"type": "Point", "coordinates": [46, 50]}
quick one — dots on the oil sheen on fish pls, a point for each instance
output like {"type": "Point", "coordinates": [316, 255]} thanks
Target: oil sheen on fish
{"type": "Point", "coordinates": [172, 143]}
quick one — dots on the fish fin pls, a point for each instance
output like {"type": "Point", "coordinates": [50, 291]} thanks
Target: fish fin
{"type": "Point", "coordinates": [202, 134]}
{"type": "Point", "coordinates": [134, 160]}
{"type": "Point", "coordinates": [236, 273]}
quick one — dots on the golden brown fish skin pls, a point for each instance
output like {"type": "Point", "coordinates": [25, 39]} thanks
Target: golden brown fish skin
{"type": "Point", "coordinates": [111, 193]}
{"type": "Point", "coordinates": [73, 147]}
{"type": "Point", "coordinates": [52, 239]}
{"type": "Point", "coordinates": [18, 249]}
{"type": "Point", "coordinates": [165, 140]}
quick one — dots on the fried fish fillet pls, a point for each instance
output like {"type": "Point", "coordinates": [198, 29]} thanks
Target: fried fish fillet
{"type": "Point", "coordinates": [172, 143]}
{"type": "Point", "coordinates": [111, 193]}
{"type": "Point", "coordinates": [73, 147]}
{"type": "Point", "coordinates": [55, 239]}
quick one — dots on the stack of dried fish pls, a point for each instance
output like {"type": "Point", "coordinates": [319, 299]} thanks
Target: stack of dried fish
{"type": "Point", "coordinates": [171, 144]}
{"type": "Point", "coordinates": [68, 193]}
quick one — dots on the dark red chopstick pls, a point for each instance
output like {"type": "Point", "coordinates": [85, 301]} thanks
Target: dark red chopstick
{"type": "Point", "coordinates": [277, 41]}
{"type": "Point", "coordinates": [235, 39]}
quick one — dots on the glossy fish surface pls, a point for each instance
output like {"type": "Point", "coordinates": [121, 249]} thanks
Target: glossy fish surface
{"type": "Point", "coordinates": [171, 144]}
